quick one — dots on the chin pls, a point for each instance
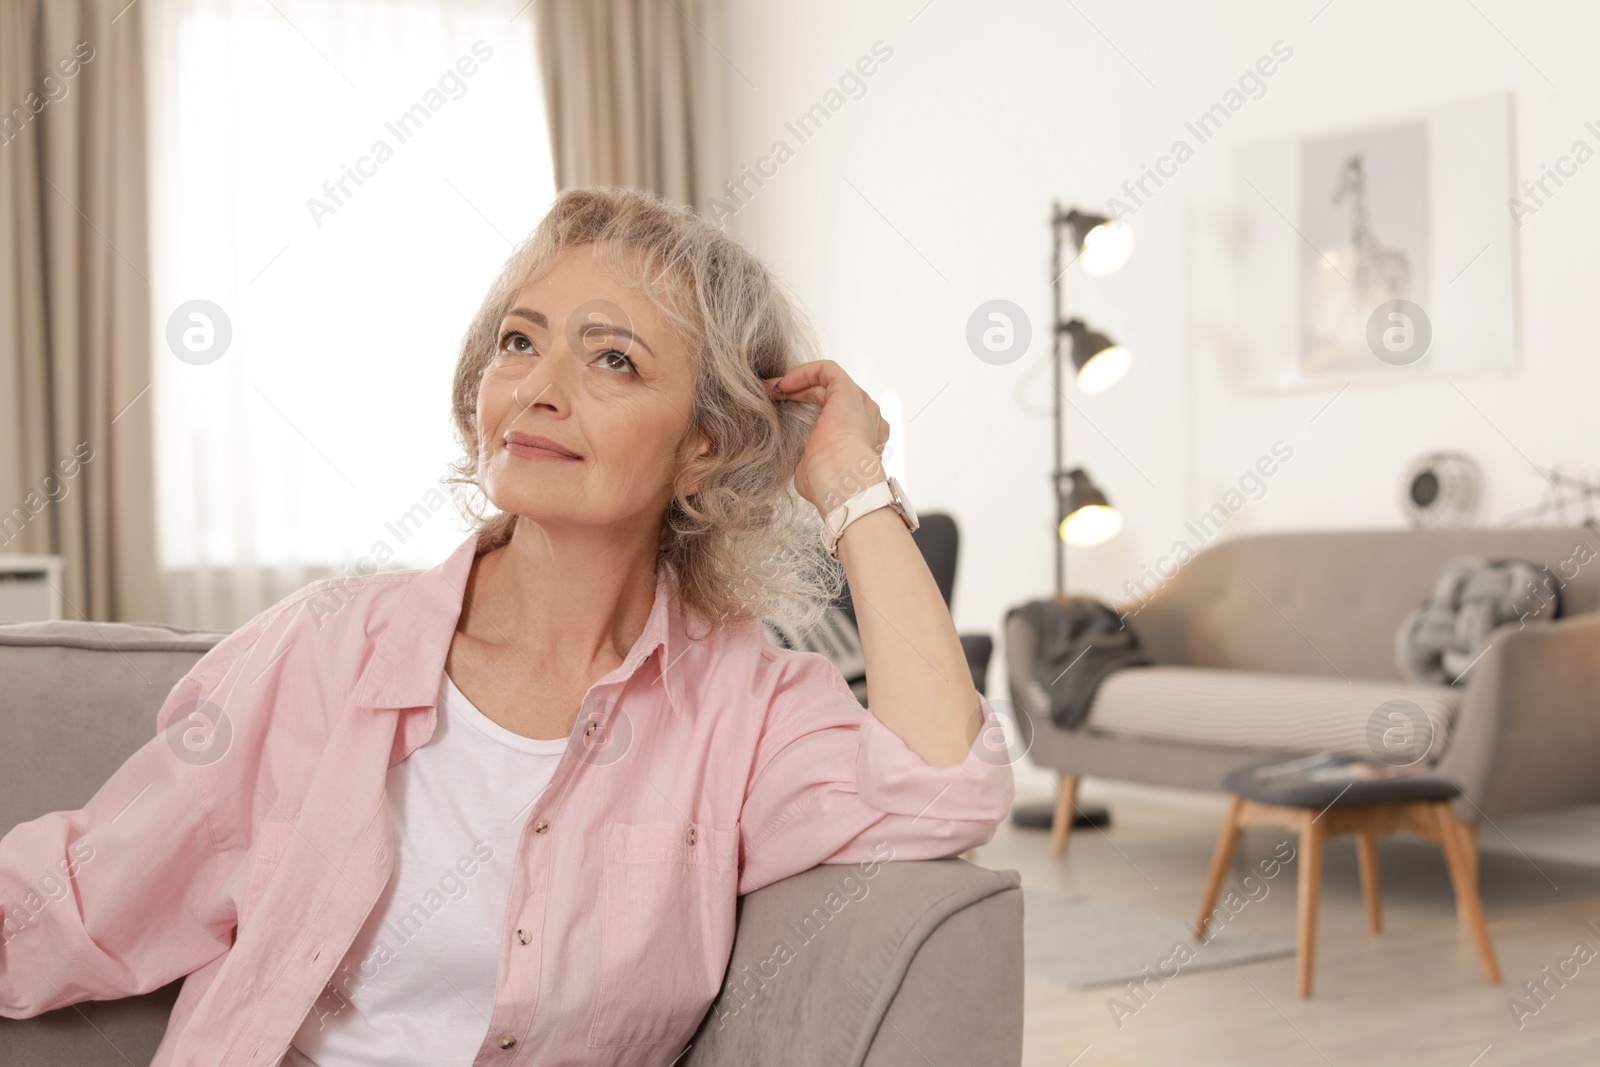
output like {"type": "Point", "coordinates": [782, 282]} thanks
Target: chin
{"type": "Point", "coordinates": [541, 506]}
{"type": "Point", "coordinates": [553, 500]}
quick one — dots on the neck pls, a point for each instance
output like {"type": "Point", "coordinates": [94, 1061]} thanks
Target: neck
{"type": "Point", "coordinates": [564, 595]}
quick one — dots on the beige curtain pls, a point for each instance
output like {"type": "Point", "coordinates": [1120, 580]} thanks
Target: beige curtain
{"type": "Point", "coordinates": [622, 84]}
{"type": "Point", "coordinates": [76, 442]}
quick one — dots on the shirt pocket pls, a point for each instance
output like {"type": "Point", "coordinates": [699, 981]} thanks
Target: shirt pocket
{"type": "Point", "coordinates": [667, 906]}
{"type": "Point", "coordinates": [271, 838]}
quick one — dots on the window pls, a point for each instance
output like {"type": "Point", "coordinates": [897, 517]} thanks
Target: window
{"type": "Point", "coordinates": [338, 183]}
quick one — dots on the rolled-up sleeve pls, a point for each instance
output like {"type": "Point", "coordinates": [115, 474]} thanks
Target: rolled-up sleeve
{"type": "Point", "coordinates": [833, 784]}
{"type": "Point", "coordinates": [134, 889]}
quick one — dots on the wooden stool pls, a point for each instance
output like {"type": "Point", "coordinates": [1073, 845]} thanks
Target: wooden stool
{"type": "Point", "coordinates": [1319, 810]}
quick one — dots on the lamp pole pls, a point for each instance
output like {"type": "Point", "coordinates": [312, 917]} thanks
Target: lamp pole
{"type": "Point", "coordinates": [1058, 218]}
{"type": "Point", "coordinates": [1042, 815]}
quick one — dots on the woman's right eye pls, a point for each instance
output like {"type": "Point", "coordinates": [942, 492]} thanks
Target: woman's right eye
{"type": "Point", "coordinates": [516, 341]}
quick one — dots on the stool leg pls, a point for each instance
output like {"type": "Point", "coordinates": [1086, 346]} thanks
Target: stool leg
{"type": "Point", "coordinates": [1220, 859]}
{"type": "Point", "coordinates": [1469, 840]}
{"type": "Point", "coordinates": [1367, 853]}
{"type": "Point", "coordinates": [1468, 904]}
{"type": "Point", "coordinates": [1311, 839]}
{"type": "Point", "coordinates": [1061, 821]}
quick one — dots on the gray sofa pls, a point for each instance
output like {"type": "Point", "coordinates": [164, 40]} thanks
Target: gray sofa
{"type": "Point", "coordinates": [933, 957]}
{"type": "Point", "coordinates": [1526, 730]}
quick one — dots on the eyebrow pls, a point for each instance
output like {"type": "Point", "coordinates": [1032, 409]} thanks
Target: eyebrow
{"type": "Point", "coordinates": [610, 329]}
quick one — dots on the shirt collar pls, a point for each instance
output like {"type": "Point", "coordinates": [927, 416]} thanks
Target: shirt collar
{"type": "Point", "coordinates": [409, 655]}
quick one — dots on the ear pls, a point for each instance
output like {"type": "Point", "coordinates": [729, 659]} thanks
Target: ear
{"type": "Point", "coordinates": [700, 449]}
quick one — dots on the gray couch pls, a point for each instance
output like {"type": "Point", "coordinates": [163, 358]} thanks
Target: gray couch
{"type": "Point", "coordinates": [933, 954]}
{"type": "Point", "coordinates": [1526, 731]}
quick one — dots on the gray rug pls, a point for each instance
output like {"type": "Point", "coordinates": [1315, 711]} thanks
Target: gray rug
{"type": "Point", "coordinates": [1081, 943]}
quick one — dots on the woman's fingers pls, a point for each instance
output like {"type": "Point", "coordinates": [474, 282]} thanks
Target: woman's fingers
{"type": "Point", "coordinates": [815, 372]}
{"type": "Point", "coordinates": [814, 394]}
{"type": "Point", "coordinates": [824, 382]}
{"type": "Point", "coordinates": [809, 382]}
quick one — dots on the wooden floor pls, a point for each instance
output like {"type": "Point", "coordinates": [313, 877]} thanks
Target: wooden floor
{"type": "Point", "coordinates": [1412, 996]}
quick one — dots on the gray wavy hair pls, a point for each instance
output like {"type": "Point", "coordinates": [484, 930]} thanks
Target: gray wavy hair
{"type": "Point", "coordinates": [744, 544]}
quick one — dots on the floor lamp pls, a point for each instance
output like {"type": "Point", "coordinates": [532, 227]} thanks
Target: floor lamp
{"type": "Point", "coordinates": [1084, 515]}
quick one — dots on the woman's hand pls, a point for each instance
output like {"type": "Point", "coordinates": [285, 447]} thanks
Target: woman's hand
{"type": "Point", "coordinates": [918, 681]}
{"type": "Point", "coordinates": [842, 454]}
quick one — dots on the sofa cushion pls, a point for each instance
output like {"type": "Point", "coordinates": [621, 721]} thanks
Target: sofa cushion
{"type": "Point", "coordinates": [1440, 641]}
{"type": "Point", "coordinates": [1394, 722]}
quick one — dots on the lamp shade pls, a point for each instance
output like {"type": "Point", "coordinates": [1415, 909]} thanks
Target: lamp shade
{"type": "Point", "coordinates": [1089, 517]}
{"type": "Point", "coordinates": [1104, 244]}
{"type": "Point", "coordinates": [1099, 361]}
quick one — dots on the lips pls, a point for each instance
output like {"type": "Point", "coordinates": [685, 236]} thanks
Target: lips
{"type": "Point", "coordinates": [533, 446]}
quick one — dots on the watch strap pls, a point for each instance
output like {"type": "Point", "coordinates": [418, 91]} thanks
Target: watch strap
{"type": "Point", "coordinates": [875, 496]}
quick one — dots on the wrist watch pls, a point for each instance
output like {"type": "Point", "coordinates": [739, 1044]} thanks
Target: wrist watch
{"type": "Point", "coordinates": [885, 494]}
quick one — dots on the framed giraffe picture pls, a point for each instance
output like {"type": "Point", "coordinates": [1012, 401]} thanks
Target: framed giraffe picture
{"type": "Point", "coordinates": [1380, 254]}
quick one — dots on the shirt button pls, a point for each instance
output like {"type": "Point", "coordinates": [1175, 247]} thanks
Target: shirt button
{"type": "Point", "coordinates": [506, 1041]}
{"type": "Point", "coordinates": [690, 836]}
{"type": "Point", "coordinates": [540, 826]}
{"type": "Point", "coordinates": [523, 937]}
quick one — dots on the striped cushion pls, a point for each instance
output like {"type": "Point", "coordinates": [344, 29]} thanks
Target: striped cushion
{"type": "Point", "coordinates": [1395, 722]}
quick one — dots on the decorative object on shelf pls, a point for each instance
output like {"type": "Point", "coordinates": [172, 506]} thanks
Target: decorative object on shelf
{"type": "Point", "coordinates": [1441, 489]}
{"type": "Point", "coordinates": [1084, 515]}
{"type": "Point", "coordinates": [1568, 500]}
{"type": "Point", "coordinates": [1380, 255]}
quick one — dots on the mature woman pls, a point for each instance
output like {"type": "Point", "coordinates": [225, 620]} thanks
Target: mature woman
{"type": "Point", "coordinates": [499, 811]}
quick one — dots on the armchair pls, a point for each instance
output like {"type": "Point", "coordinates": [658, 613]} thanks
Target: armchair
{"type": "Point", "coordinates": [837, 636]}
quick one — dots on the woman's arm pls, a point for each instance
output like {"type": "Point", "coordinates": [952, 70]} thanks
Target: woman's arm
{"type": "Point", "coordinates": [918, 681]}
{"type": "Point", "coordinates": [139, 886]}
{"type": "Point", "coordinates": [118, 897]}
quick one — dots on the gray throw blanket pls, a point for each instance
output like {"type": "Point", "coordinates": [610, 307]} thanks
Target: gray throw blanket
{"type": "Point", "coordinates": [1440, 641]}
{"type": "Point", "coordinates": [1080, 643]}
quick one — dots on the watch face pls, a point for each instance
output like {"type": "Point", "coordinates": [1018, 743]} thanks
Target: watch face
{"type": "Point", "coordinates": [904, 503]}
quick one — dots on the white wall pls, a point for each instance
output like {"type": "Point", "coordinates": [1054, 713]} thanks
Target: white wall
{"type": "Point", "coordinates": [930, 195]}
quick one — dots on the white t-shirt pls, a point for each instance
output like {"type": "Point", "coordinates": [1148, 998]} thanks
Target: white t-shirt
{"type": "Point", "coordinates": [417, 985]}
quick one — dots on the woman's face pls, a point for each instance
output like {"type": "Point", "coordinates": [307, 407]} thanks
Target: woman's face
{"type": "Point", "coordinates": [592, 368]}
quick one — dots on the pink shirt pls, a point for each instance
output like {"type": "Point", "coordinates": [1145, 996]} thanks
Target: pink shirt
{"type": "Point", "coordinates": [246, 846]}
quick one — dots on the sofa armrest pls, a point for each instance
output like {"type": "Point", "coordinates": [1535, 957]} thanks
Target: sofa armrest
{"type": "Point", "coordinates": [1527, 737]}
{"type": "Point", "coordinates": [92, 1033]}
{"type": "Point", "coordinates": [914, 962]}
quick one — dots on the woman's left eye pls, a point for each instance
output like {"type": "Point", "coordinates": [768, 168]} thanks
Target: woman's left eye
{"type": "Point", "coordinates": [618, 361]}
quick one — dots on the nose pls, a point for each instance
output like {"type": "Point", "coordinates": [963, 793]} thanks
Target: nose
{"type": "Point", "coordinates": [548, 383]}
{"type": "Point", "coordinates": [524, 405]}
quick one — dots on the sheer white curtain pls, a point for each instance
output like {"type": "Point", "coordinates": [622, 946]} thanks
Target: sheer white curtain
{"type": "Point", "coordinates": [339, 181]}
